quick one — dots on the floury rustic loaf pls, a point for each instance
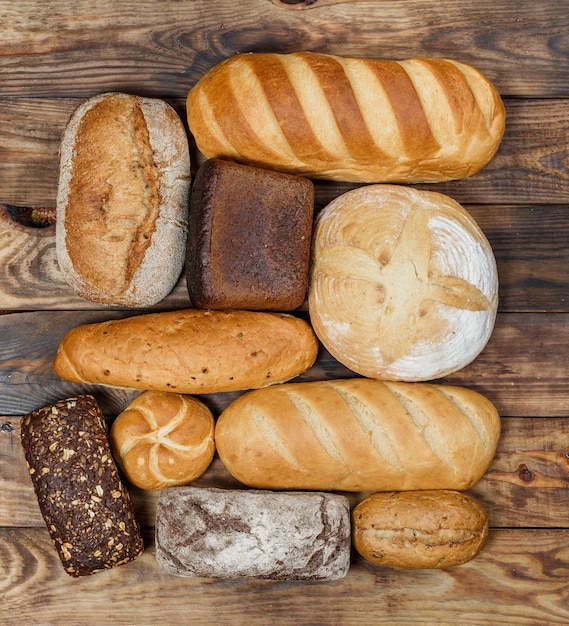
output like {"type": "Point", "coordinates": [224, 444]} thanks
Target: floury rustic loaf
{"type": "Point", "coordinates": [403, 284]}
{"type": "Point", "coordinates": [163, 439]}
{"type": "Point", "coordinates": [218, 533]}
{"type": "Point", "coordinates": [122, 199]}
{"type": "Point", "coordinates": [191, 351]}
{"type": "Point", "coordinates": [361, 120]}
{"type": "Point", "coordinates": [419, 529]}
{"type": "Point", "coordinates": [358, 435]}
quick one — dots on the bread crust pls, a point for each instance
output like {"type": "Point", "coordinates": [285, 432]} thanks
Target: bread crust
{"type": "Point", "coordinates": [348, 119]}
{"type": "Point", "coordinates": [189, 351]}
{"type": "Point", "coordinates": [240, 533]}
{"type": "Point", "coordinates": [419, 529]}
{"type": "Point", "coordinates": [86, 508]}
{"type": "Point", "coordinates": [403, 283]}
{"type": "Point", "coordinates": [122, 200]}
{"type": "Point", "coordinates": [163, 439]}
{"type": "Point", "coordinates": [249, 238]}
{"type": "Point", "coordinates": [358, 435]}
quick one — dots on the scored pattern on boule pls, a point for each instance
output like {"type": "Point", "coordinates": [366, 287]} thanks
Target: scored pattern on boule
{"type": "Point", "coordinates": [401, 301]}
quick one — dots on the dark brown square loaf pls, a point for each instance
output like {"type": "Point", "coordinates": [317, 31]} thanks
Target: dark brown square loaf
{"type": "Point", "coordinates": [84, 504]}
{"type": "Point", "coordinates": [249, 238]}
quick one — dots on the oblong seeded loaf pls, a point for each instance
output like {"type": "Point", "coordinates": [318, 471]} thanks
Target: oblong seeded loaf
{"type": "Point", "coordinates": [86, 508]}
{"type": "Point", "coordinates": [358, 435]}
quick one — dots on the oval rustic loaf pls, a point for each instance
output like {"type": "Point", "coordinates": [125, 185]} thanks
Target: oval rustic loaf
{"type": "Point", "coordinates": [189, 351]}
{"type": "Point", "coordinates": [419, 529]}
{"type": "Point", "coordinates": [122, 199]}
{"type": "Point", "coordinates": [361, 120]}
{"type": "Point", "coordinates": [358, 435]}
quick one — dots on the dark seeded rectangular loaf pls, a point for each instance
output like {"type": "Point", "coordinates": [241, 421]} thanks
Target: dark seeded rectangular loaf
{"type": "Point", "coordinates": [217, 533]}
{"type": "Point", "coordinates": [85, 506]}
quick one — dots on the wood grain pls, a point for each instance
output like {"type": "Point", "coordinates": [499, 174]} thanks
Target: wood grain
{"type": "Point", "coordinates": [308, 4]}
{"type": "Point", "coordinates": [531, 165]}
{"type": "Point", "coordinates": [521, 577]}
{"type": "Point", "coordinates": [525, 486]}
{"type": "Point", "coordinates": [529, 243]}
{"type": "Point", "coordinates": [71, 48]}
{"type": "Point", "coordinates": [522, 369]}
{"type": "Point", "coordinates": [54, 54]}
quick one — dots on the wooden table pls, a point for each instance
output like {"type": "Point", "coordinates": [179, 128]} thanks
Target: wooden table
{"type": "Point", "coordinates": [54, 54]}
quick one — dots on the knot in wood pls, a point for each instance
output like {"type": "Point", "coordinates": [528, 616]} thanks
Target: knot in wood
{"type": "Point", "coordinates": [525, 473]}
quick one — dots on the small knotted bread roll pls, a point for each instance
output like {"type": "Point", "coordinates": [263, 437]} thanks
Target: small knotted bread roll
{"type": "Point", "coordinates": [403, 284]}
{"type": "Point", "coordinates": [163, 439]}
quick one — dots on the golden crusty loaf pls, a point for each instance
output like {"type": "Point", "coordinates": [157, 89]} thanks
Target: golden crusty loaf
{"type": "Point", "coordinates": [403, 285]}
{"type": "Point", "coordinates": [163, 439]}
{"type": "Point", "coordinates": [358, 435]}
{"type": "Point", "coordinates": [323, 116]}
{"type": "Point", "coordinates": [190, 351]}
{"type": "Point", "coordinates": [122, 199]}
{"type": "Point", "coordinates": [419, 529]}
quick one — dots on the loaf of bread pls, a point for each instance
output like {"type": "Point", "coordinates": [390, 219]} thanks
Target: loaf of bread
{"type": "Point", "coordinates": [163, 439]}
{"type": "Point", "coordinates": [122, 199]}
{"type": "Point", "coordinates": [249, 238]}
{"type": "Point", "coordinates": [361, 120]}
{"type": "Point", "coordinates": [403, 283]}
{"type": "Point", "coordinates": [217, 533]}
{"type": "Point", "coordinates": [358, 435]}
{"type": "Point", "coordinates": [191, 351]}
{"type": "Point", "coordinates": [419, 529]}
{"type": "Point", "coordinates": [86, 508]}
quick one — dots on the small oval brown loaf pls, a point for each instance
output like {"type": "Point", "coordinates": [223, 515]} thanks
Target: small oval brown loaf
{"type": "Point", "coordinates": [163, 439]}
{"type": "Point", "coordinates": [419, 529]}
{"type": "Point", "coordinates": [190, 351]}
{"type": "Point", "coordinates": [361, 120]}
{"type": "Point", "coordinates": [122, 199]}
{"type": "Point", "coordinates": [358, 435]}
{"type": "Point", "coordinates": [403, 284]}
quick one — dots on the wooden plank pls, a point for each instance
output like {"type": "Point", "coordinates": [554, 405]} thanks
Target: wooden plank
{"type": "Point", "coordinates": [30, 277]}
{"type": "Point", "coordinates": [530, 167]}
{"type": "Point", "coordinates": [55, 54]}
{"type": "Point", "coordinates": [529, 244]}
{"type": "Point", "coordinates": [521, 577]}
{"type": "Point", "coordinates": [522, 369]}
{"type": "Point", "coordinates": [73, 48]}
{"type": "Point", "coordinates": [525, 486]}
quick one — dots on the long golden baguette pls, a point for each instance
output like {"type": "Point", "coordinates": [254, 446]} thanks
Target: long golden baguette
{"type": "Point", "coordinates": [358, 435]}
{"type": "Point", "coordinates": [190, 351]}
{"type": "Point", "coordinates": [361, 120]}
